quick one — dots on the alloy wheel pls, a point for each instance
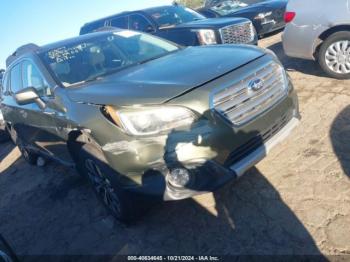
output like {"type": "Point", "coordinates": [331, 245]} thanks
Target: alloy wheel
{"type": "Point", "coordinates": [337, 57]}
{"type": "Point", "coordinates": [103, 187]}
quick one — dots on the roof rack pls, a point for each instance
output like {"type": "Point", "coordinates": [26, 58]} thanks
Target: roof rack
{"type": "Point", "coordinates": [20, 51]}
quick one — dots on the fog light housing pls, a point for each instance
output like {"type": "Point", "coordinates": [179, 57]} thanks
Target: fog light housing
{"type": "Point", "coordinates": [179, 177]}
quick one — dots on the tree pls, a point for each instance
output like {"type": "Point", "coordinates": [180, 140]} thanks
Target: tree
{"type": "Point", "coordinates": [191, 3]}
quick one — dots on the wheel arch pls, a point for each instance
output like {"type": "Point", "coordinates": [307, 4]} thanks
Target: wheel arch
{"type": "Point", "coordinates": [81, 136]}
{"type": "Point", "coordinates": [327, 33]}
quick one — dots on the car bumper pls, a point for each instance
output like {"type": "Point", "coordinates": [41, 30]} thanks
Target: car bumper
{"type": "Point", "coordinates": [301, 41]}
{"type": "Point", "coordinates": [211, 175]}
{"type": "Point", "coordinates": [268, 26]}
{"type": "Point", "coordinates": [257, 155]}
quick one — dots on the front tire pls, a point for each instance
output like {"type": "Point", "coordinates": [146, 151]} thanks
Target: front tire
{"type": "Point", "coordinates": [4, 135]}
{"type": "Point", "coordinates": [92, 165]}
{"type": "Point", "coordinates": [334, 55]}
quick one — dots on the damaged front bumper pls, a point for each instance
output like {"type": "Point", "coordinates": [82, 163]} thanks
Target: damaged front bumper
{"type": "Point", "coordinates": [210, 175]}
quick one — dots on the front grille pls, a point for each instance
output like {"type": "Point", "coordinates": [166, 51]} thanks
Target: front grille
{"type": "Point", "coordinates": [242, 101]}
{"type": "Point", "coordinates": [257, 141]}
{"type": "Point", "coordinates": [238, 34]}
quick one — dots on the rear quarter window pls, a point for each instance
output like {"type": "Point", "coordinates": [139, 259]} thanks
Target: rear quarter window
{"type": "Point", "coordinates": [120, 22]}
{"type": "Point", "coordinates": [89, 28]}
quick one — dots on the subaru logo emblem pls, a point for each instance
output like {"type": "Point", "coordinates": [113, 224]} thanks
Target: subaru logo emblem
{"type": "Point", "coordinates": [256, 85]}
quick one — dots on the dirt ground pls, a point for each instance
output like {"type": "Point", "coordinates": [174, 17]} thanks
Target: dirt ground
{"type": "Point", "coordinates": [296, 201]}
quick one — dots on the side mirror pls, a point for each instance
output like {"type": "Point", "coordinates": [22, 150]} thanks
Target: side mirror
{"type": "Point", "coordinates": [27, 96]}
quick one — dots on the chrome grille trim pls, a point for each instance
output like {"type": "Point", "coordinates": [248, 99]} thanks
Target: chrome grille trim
{"type": "Point", "coordinates": [239, 104]}
{"type": "Point", "coordinates": [242, 33]}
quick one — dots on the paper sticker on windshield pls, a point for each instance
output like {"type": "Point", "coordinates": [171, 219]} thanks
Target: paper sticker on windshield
{"type": "Point", "coordinates": [127, 33]}
{"type": "Point", "coordinates": [63, 54]}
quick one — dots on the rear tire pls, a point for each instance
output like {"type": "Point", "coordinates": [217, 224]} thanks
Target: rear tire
{"type": "Point", "coordinates": [92, 165]}
{"type": "Point", "coordinates": [29, 156]}
{"type": "Point", "coordinates": [4, 136]}
{"type": "Point", "coordinates": [334, 55]}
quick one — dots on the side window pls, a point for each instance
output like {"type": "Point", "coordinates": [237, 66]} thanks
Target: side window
{"type": "Point", "coordinates": [33, 78]}
{"type": "Point", "coordinates": [16, 81]}
{"type": "Point", "coordinates": [120, 22]}
{"type": "Point", "coordinates": [140, 23]}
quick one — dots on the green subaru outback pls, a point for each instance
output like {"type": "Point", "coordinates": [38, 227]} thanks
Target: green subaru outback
{"type": "Point", "coordinates": [143, 118]}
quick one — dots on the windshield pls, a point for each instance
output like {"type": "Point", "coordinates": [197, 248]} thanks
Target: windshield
{"type": "Point", "coordinates": [173, 15]}
{"type": "Point", "coordinates": [228, 6]}
{"type": "Point", "coordinates": [102, 55]}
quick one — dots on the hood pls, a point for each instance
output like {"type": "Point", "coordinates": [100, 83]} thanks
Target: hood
{"type": "Point", "coordinates": [214, 23]}
{"type": "Point", "coordinates": [159, 80]}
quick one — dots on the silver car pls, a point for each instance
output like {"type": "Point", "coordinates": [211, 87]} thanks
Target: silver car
{"type": "Point", "coordinates": [4, 136]}
{"type": "Point", "coordinates": [320, 30]}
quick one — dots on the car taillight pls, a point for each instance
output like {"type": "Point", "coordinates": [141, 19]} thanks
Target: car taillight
{"type": "Point", "coordinates": [289, 16]}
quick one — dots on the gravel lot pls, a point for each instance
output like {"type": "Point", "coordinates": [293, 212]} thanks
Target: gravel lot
{"type": "Point", "coordinates": [297, 201]}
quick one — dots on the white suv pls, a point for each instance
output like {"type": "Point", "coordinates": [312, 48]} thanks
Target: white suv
{"type": "Point", "coordinates": [320, 30]}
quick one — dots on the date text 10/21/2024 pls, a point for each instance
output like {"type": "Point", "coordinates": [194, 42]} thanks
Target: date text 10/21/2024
{"type": "Point", "coordinates": [173, 258]}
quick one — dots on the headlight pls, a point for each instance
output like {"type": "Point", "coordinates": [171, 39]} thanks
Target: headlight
{"type": "Point", "coordinates": [151, 121]}
{"type": "Point", "coordinates": [284, 76]}
{"type": "Point", "coordinates": [263, 15]}
{"type": "Point", "coordinates": [206, 37]}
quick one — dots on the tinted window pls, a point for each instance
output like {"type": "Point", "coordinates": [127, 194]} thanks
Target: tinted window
{"type": "Point", "coordinates": [120, 22]}
{"type": "Point", "coordinates": [248, 2]}
{"type": "Point", "coordinates": [228, 6]}
{"type": "Point", "coordinates": [16, 81]}
{"type": "Point", "coordinates": [208, 13]}
{"type": "Point", "coordinates": [32, 78]}
{"type": "Point", "coordinates": [86, 60]}
{"type": "Point", "coordinates": [139, 23]}
{"type": "Point", "coordinates": [173, 15]}
{"type": "Point", "coordinates": [91, 27]}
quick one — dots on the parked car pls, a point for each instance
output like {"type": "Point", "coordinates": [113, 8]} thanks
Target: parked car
{"type": "Point", "coordinates": [319, 30]}
{"type": "Point", "coordinates": [4, 136]}
{"type": "Point", "coordinates": [266, 15]}
{"type": "Point", "coordinates": [180, 25]}
{"type": "Point", "coordinates": [143, 118]}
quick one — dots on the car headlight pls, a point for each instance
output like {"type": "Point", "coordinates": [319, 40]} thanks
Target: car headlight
{"type": "Point", "coordinates": [283, 73]}
{"type": "Point", "coordinates": [152, 121]}
{"type": "Point", "coordinates": [206, 37]}
{"type": "Point", "coordinates": [263, 15]}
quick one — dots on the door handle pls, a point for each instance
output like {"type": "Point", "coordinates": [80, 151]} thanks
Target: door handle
{"type": "Point", "coordinates": [49, 113]}
{"type": "Point", "coordinates": [53, 113]}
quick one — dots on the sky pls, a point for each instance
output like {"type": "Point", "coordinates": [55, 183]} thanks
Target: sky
{"type": "Point", "coordinates": [42, 22]}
